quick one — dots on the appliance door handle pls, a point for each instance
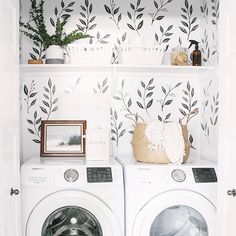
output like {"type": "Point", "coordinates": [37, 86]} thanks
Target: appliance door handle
{"type": "Point", "coordinates": [14, 191]}
{"type": "Point", "coordinates": [232, 192]}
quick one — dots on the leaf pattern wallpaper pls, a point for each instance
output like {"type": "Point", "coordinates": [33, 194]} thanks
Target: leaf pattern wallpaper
{"type": "Point", "coordinates": [162, 22]}
{"type": "Point", "coordinates": [135, 97]}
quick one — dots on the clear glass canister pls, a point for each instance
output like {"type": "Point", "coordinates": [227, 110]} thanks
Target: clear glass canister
{"type": "Point", "coordinates": [179, 56]}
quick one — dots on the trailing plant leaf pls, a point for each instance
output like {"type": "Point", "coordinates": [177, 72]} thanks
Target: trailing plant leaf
{"type": "Point", "coordinates": [146, 95]}
{"type": "Point", "coordinates": [101, 87]}
{"type": "Point", "coordinates": [100, 39]}
{"type": "Point", "coordinates": [136, 17]}
{"type": "Point", "coordinates": [214, 110]}
{"type": "Point", "coordinates": [189, 108]}
{"type": "Point", "coordinates": [164, 37]}
{"type": "Point", "coordinates": [188, 21]}
{"type": "Point", "coordinates": [215, 12]}
{"type": "Point", "coordinates": [123, 97]}
{"type": "Point", "coordinates": [114, 12]}
{"type": "Point", "coordinates": [116, 48]}
{"type": "Point", "coordinates": [168, 95]}
{"type": "Point", "coordinates": [50, 103]}
{"type": "Point", "coordinates": [30, 95]}
{"type": "Point", "coordinates": [160, 10]}
{"type": "Point", "coordinates": [116, 127]}
{"type": "Point", "coordinates": [206, 51]}
{"type": "Point", "coordinates": [36, 125]}
{"type": "Point", "coordinates": [204, 10]}
{"type": "Point", "coordinates": [87, 22]}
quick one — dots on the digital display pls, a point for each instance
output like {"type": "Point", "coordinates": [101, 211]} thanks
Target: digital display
{"type": "Point", "coordinates": [99, 174]}
{"type": "Point", "coordinates": [204, 175]}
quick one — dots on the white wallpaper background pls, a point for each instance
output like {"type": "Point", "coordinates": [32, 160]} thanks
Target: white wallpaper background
{"type": "Point", "coordinates": [141, 95]}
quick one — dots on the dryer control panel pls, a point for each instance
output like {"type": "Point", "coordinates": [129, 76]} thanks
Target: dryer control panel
{"type": "Point", "coordinates": [204, 175]}
{"type": "Point", "coordinates": [99, 174]}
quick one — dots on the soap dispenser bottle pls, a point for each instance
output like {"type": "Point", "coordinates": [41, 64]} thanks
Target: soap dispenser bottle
{"type": "Point", "coordinates": [196, 55]}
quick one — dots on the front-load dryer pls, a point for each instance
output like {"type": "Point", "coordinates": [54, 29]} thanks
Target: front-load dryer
{"type": "Point", "coordinates": [62, 198]}
{"type": "Point", "coordinates": [170, 200]}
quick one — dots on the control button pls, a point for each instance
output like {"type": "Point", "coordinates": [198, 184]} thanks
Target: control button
{"type": "Point", "coordinates": [71, 175]}
{"type": "Point", "coordinates": [178, 175]}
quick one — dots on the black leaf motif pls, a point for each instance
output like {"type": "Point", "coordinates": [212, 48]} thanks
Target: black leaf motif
{"type": "Point", "coordinates": [30, 122]}
{"type": "Point", "coordinates": [139, 16]}
{"type": "Point", "coordinates": [130, 26]}
{"type": "Point", "coordinates": [129, 102]}
{"type": "Point", "coordinates": [194, 28]}
{"type": "Point", "coordinates": [139, 93]}
{"type": "Point", "coordinates": [52, 22]}
{"type": "Point", "coordinates": [183, 112]}
{"type": "Point", "coordinates": [163, 89]}
{"type": "Point", "coordinates": [107, 9]}
{"type": "Point", "coordinates": [149, 94]}
{"type": "Point", "coordinates": [160, 17]}
{"type": "Point", "coordinates": [31, 131]}
{"type": "Point", "coordinates": [150, 103]}
{"type": "Point", "coordinates": [116, 10]}
{"type": "Point", "coordinates": [185, 106]}
{"type": "Point", "coordinates": [140, 25]}
{"type": "Point", "coordinates": [183, 30]}
{"type": "Point", "coordinates": [55, 109]}
{"type": "Point", "coordinates": [129, 15]}
{"type": "Point", "coordinates": [26, 90]}
{"type": "Point", "coordinates": [36, 141]}
{"type": "Point", "coordinates": [43, 110]}
{"type": "Point", "coordinates": [160, 8]}
{"type": "Point", "coordinates": [168, 116]}
{"type": "Point", "coordinates": [33, 102]}
{"type": "Point", "coordinates": [140, 105]}
{"type": "Point", "coordinates": [32, 95]}
{"type": "Point", "coordinates": [36, 50]}
{"type": "Point", "coordinates": [168, 102]}
{"type": "Point", "coordinates": [122, 133]}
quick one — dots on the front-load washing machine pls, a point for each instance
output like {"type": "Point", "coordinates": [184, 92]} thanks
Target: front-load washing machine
{"type": "Point", "coordinates": [63, 198]}
{"type": "Point", "coordinates": [170, 200]}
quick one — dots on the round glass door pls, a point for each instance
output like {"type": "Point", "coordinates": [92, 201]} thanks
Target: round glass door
{"type": "Point", "coordinates": [179, 220]}
{"type": "Point", "coordinates": [176, 213]}
{"type": "Point", "coordinates": [71, 220]}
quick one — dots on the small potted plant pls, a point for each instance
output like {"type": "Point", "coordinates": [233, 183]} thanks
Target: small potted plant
{"type": "Point", "coordinates": [54, 44]}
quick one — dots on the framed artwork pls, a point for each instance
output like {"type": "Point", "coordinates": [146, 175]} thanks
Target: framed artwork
{"type": "Point", "coordinates": [63, 138]}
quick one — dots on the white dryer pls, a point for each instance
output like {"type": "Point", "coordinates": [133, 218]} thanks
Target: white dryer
{"type": "Point", "coordinates": [170, 200]}
{"type": "Point", "coordinates": [62, 198]}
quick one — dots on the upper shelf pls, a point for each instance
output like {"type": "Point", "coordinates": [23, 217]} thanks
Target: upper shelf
{"type": "Point", "coordinates": [69, 68]}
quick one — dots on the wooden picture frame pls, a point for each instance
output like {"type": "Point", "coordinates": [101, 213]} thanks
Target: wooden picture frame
{"type": "Point", "coordinates": [63, 138]}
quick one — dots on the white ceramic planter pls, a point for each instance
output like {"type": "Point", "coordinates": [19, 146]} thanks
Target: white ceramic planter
{"type": "Point", "coordinates": [54, 55]}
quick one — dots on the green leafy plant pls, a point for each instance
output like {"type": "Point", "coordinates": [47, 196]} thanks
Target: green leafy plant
{"type": "Point", "coordinates": [36, 29]}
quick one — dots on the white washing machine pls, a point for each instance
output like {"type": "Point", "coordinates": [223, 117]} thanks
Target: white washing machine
{"type": "Point", "coordinates": [62, 198]}
{"type": "Point", "coordinates": [170, 200]}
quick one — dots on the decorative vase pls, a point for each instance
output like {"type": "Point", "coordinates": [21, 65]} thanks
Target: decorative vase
{"type": "Point", "coordinates": [33, 61]}
{"type": "Point", "coordinates": [54, 55]}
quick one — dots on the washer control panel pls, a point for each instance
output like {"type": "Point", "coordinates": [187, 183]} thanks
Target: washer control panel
{"type": "Point", "coordinates": [71, 175]}
{"type": "Point", "coordinates": [99, 174]}
{"type": "Point", "coordinates": [178, 175]}
{"type": "Point", "coordinates": [204, 175]}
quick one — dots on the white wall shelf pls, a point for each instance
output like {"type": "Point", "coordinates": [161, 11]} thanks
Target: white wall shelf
{"type": "Point", "coordinates": [69, 68]}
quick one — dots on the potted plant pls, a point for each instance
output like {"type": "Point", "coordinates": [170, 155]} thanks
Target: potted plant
{"type": "Point", "coordinates": [36, 30]}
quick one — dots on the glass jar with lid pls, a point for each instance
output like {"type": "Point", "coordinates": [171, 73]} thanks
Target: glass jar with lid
{"type": "Point", "coordinates": [179, 56]}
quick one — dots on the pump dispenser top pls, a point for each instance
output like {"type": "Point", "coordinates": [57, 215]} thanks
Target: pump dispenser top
{"type": "Point", "coordinates": [196, 54]}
